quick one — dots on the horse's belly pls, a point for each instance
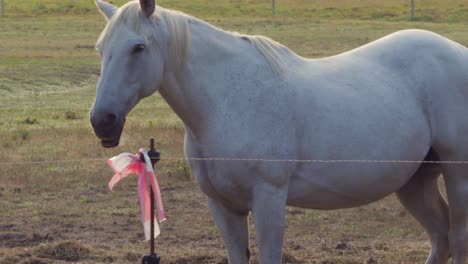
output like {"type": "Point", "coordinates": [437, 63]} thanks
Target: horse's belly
{"type": "Point", "coordinates": [344, 185]}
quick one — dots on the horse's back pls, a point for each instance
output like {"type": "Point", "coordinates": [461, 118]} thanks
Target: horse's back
{"type": "Point", "coordinates": [407, 45]}
{"type": "Point", "coordinates": [437, 70]}
{"type": "Point", "coordinates": [414, 67]}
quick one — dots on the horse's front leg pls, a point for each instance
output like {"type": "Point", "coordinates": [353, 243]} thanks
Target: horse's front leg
{"type": "Point", "coordinates": [234, 230]}
{"type": "Point", "coordinates": [269, 210]}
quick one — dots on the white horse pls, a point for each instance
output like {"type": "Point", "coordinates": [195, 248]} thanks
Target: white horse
{"type": "Point", "coordinates": [403, 97]}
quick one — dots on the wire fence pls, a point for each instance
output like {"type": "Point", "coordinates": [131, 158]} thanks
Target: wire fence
{"type": "Point", "coordinates": [263, 160]}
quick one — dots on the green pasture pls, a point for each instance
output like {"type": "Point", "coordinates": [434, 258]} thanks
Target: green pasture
{"type": "Point", "coordinates": [49, 69]}
{"type": "Point", "coordinates": [395, 10]}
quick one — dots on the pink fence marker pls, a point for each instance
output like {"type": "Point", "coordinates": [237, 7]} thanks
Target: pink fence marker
{"type": "Point", "coordinates": [126, 164]}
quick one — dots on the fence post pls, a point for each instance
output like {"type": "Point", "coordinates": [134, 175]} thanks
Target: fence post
{"type": "Point", "coordinates": [3, 8]}
{"type": "Point", "coordinates": [412, 9]}
{"type": "Point", "coordinates": [273, 7]}
{"type": "Point", "coordinates": [154, 156]}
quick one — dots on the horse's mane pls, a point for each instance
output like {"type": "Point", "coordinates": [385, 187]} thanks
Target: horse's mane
{"type": "Point", "coordinates": [268, 48]}
{"type": "Point", "coordinates": [179, 34]}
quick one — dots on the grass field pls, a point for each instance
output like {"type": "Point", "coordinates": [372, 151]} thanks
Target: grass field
{"type": "Point", "coordinates": [54, 205]}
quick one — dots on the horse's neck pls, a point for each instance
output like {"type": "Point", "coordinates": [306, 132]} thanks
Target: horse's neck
{"type": "Point", "coordinates": [218, 69]}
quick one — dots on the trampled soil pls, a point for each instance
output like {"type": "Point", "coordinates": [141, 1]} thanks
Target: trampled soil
{"type": "Point", "coordinates": [93, 225]}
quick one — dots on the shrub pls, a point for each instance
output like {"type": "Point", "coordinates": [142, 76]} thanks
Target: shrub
{"type": "Point", "coordinates": [24, 134]}
{"type": "Point", "coordinates": [71, 115]}
{"type": "Point", "coordinates": [30, 121]}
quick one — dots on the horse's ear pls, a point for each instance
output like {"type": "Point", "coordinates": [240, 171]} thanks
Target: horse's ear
{"type": "Point", "coordinates": [148, 7]}
{"type": "Point", "coordinates": [107, 9]}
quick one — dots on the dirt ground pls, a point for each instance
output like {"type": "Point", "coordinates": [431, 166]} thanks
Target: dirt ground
{"type": "Point", "coordinates": [93, 225]}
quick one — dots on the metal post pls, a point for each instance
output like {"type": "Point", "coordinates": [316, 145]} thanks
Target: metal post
{"type": "Point", "coordinates": [3, 8]}
{"type": "Point", "coordinates": [412, 9]}
{"type": "Point", "coordinates": [153, 258]}
{"type": "Point", "coordinates": [273, 7]}
{"type": "Point", "coordinates": [152, 222]}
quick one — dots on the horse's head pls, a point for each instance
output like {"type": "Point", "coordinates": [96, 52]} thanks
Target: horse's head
{"type": "Point", "coordinates": [132, 64]}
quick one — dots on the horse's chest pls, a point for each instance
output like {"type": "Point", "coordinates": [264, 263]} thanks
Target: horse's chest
{"type": "Point", "coordinates": [218, 180]}
{"type": "Point", "coordinates": [234, 180]}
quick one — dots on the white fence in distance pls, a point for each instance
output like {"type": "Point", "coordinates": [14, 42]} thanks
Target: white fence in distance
{"type": "Point", "coordinates": [273, 8]}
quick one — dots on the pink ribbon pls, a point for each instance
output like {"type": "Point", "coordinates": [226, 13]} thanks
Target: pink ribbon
{"type": "Point", "coordinates": [126, 164]}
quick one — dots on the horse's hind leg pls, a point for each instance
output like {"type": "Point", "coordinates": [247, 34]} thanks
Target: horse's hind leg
{"type": "Point", "coordinates": [456, 182]}
{"type": "Point", "coordinates": [422, 198]}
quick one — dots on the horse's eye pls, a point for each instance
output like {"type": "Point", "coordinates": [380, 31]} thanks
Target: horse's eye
{"type": "Point", "coordinates": [139, 48]}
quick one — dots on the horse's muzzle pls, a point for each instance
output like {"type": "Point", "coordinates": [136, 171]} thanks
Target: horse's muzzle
{"type": "Point", "coordinates": [108, 128]}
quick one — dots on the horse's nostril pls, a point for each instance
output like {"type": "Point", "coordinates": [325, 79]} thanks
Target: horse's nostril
{"type": "Point", "coordinates": [111, 118]}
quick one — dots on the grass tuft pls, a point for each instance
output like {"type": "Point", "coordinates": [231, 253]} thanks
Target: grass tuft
{"type": "Point", "coordinates": [68, 251]}
{"type": "Point", "coordinates": [24, 134]}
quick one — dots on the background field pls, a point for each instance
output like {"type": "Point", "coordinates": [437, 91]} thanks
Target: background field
{"type": "Point", "coordinates": [54, 205]}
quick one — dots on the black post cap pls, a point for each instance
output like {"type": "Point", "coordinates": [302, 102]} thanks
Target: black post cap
{"type": "Point", "coordinates": [153, 154]}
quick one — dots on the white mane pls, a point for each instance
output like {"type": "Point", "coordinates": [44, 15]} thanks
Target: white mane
{"type": "Point", "coordinates": [269, 49]}
{"type": "Point", "coordinates": [179, 34]}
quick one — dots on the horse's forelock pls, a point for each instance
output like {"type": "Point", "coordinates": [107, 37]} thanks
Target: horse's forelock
{"type": "Point", "coordinates": [127, 15]}
{"type": "Point", "coordinates": [177, 25]}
